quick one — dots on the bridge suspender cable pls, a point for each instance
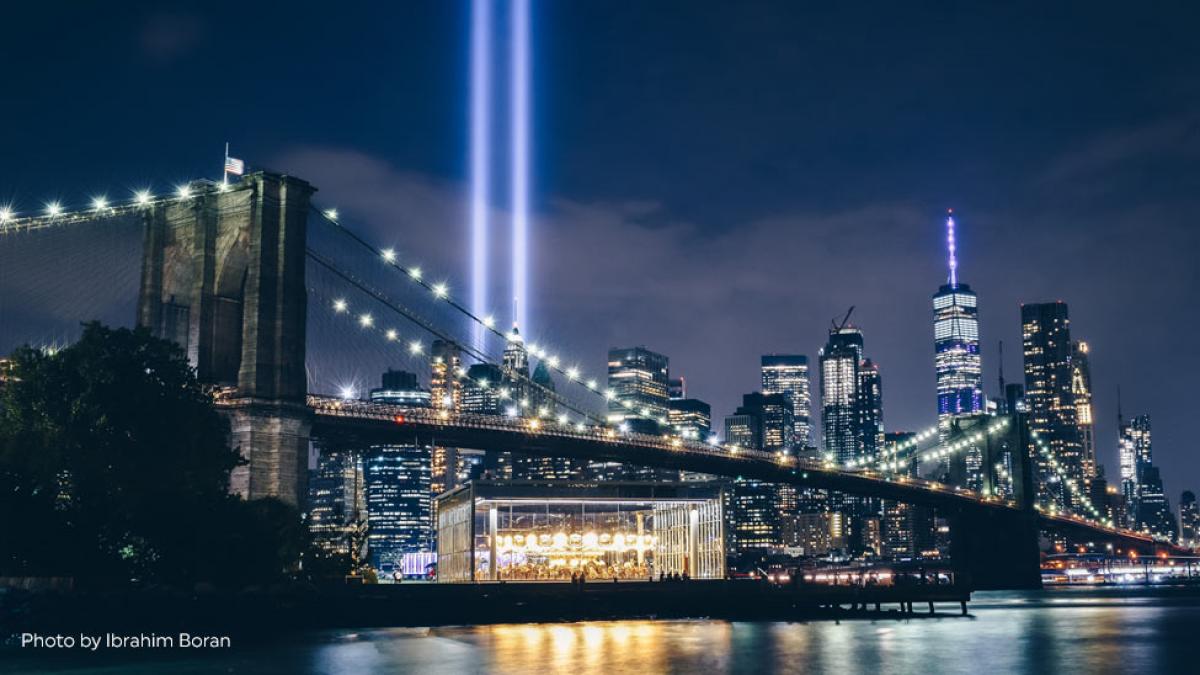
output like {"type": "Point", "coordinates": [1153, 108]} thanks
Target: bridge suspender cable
{"type": "Point", "coordinates": [430, 328]}
{"type": "Point", "coordinates": [442, 293]}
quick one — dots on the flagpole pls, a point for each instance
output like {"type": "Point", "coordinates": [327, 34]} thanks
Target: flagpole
{"type": "Point", "coordinates": [225, 166]}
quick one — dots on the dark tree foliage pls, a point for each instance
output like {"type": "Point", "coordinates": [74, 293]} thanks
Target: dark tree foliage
{"type": "Point", "coordinates": [114, 468]}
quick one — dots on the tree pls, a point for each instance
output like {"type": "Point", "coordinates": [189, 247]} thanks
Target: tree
{"type": "Point", "coordinates": [117, 465]}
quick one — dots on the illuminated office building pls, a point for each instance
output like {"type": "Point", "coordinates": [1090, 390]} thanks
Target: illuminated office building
{"type": "Point", "coordinates": [690, 418]}
{"type": "Point", "coordinates": [446, 393]}
{"type": "Point", "coordinates": [1153, 511]}
{"type": "Point", "coordinates": [335, 498]}
{"type": "Point", "coordinates": [399, 503]}
{"type": "Point", "coordinates": [1189, 520]}
{"type": "Point", "coordinates": [1081, 390]}
{"type": "Point", "coordinates": [1046, 339]}
{"type": "Point", "coordinates": [788, 374]}
{"type": "Point", "coordinates": [544, 404]}
{"type": "Point", "coordinates": [870, 409]}
{"type": "Point", "coordinates": [840, 361]}
{"type": "Point", "coordinates": [400, 387]}
{"type": "Point", "coordinates": [956, 356]}
{"type": "Point", "coordinates": [676, 388]}
{"type": "Point", "coordinates": [1135, 453]}
{"type": "Point", "coordinates": [637, 380]}
{"type": "Point", "coordinates": [397, 483]}
{"type": "Point", "coordinates": [444, 385]}
{"type": "Point", "coordinates": [762, 422]}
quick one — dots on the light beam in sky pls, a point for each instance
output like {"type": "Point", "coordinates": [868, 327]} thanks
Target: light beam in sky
{"type": "Point", "coordinates": [519, 120]}
{"type": "Point", "coordinates": [480, 141]}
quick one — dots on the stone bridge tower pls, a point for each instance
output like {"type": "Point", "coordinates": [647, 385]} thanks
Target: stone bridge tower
{"type": "Point", "coordinates": [223, 276]}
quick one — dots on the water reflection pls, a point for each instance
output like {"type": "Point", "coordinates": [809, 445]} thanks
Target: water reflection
{"type": "Point", "coordinates": [1055, 632]}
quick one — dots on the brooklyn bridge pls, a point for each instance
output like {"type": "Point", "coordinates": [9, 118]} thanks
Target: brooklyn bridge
{"type": "Point", "coordinates": [227, 272]}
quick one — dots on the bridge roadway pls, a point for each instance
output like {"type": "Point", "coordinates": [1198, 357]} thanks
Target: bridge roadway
{"type": "Point", "coordinates": [385, 423]}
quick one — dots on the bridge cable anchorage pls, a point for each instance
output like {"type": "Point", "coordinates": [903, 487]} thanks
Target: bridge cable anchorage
{"type": "Point", "coordinates": [427, 326]}
{"type": "Point", "coordinates": [442, 292]}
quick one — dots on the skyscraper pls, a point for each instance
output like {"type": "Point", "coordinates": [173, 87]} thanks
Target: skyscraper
{"type": "Point", "coordinates": [1153, 511]}
{"type": "Point", "coordinates": [870, 408]}
{"type": "Point", "coordinates": [335, 499]}
{"type": "Point", "coordinates": [788, 374]}
{"type": "Point", "coordinates": [637, 382]}
{"type": "Point", "coordinates": [1046, 339]}
{"type": "Point", "coordinates": [1189, 520]}
{"type": "Point", "coordinates": [400, 387]}
{"type": "Point", "coordinates": [544, 404]}
{"type": "Point", "coordinates": [1081, 390]}
{"type": "Point", "coordinates": [690, 418]}
{"type": "Point", "coordinates": [1136, 454]}
{"type": "Point", "coordinates": [444, 385]}
{"type": "Point", "coordinates": [956, 343]}
{"type": "Point", "coordinates": [445, 389]}
{"type": "Point", "coordinates": [398, 481]}
{"type": "Point", "coordinates": [840, 360]}
{"type": "Point", "coordinates": [852, 417]}
{"type": "Point", "coordinates": [762, 422]}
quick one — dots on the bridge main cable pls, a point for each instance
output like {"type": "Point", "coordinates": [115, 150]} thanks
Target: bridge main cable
{"type": "Point", "coordinates": [443, 335]}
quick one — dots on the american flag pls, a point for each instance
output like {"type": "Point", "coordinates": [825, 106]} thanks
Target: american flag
{"type": "Point", "coordinates": [234, 166]}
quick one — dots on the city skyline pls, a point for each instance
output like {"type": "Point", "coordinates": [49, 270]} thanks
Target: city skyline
{"type": "Point", "coordinates": [1031, 231]}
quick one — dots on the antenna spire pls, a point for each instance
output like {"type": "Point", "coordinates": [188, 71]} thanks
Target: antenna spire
{"type": "Point", "coordinates": [950, 246]}
{"type": "Point", "coordinates": [1120, 417]}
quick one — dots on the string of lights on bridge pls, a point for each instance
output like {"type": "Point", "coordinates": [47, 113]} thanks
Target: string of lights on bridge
{"type": "Point", "coordinates": [1063, 478]}
{"type": "Point", "coordinates": [416, 348]}
{"type": "Point", "coordinates": [55, 213]}
{"type": "Point", "coordinates": [441, 291]}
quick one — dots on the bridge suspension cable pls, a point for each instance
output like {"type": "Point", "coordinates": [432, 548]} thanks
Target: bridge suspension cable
{"type": "Point", "coordinates": [366, 322]}
{"type": "Point", "coordinates": [441, 291]}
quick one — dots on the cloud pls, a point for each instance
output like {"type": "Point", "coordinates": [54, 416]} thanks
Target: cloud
{"type": "Point", "coordinates": [628, 272]}
{"type": "Point", "coordinates": [1175, 136]}
{"type": "Point", "coordinates": [169, 36]}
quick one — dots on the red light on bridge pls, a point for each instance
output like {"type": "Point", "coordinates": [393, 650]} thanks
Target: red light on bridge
{"type": "Point", "coordinates": [398, 419]}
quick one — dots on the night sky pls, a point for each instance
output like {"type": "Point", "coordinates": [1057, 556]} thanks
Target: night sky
{"type": "Point", "coordinates": [712, 180]}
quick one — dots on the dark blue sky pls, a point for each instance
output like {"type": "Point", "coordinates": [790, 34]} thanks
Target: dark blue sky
{"type": "Point", "coordinates": [714, 180]}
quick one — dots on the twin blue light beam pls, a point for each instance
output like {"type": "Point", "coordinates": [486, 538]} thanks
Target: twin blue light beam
{"type": "Point", "coordinates": [519, 121]}
{"type": "Point", "coordinates": [480, 157]}
{"type": "Point", "coordinates": [481, 86]}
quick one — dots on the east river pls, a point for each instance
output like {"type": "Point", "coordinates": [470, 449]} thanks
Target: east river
{"type": "Point", "coordinates": [1057, 631]}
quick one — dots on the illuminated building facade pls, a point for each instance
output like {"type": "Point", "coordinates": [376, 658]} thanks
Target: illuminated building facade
{"type": "Point", "coordinates": [550, 530]}
{"type": "Point", "coordinates": [762, 422]}
{"type": "Point", "coordinates": [544, 404]}
{"type": "Point", "coordinates": [1046, 341]}
{"type": "Point", "coordinates": [444, 385]}
{"type": "Point", "coordinates": [446, 393]}
{"type": "Point", "coordinates": [399, 503]}
{"type": "Point", "coordinates": [870, 408]}
{"type": "Point", "coordinates": [1153, 511]}
{"type": "Point", "coordinates": [1189, 520]}
{"type": "Point", "coordinates": [1136, 453]}
{"type": "Point", "coordinates": [840, 360]}
{"type": "Point", "coordinates": [690, 418]}
{"type": "Point", "coordinates": [1081, 391]}
{"type": "Point", "coordinates": [398, 483]}
{"type": "Point", "coordinates": [638, 382]}
{"type": "Point", "coordinates": [787, 374]}
{"type": "Point", "coordinates": [956, 356]}
{"type": "Point", "coordinates": [335, 499]}
{"type": "Point", "coordinates": [400, 387]}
